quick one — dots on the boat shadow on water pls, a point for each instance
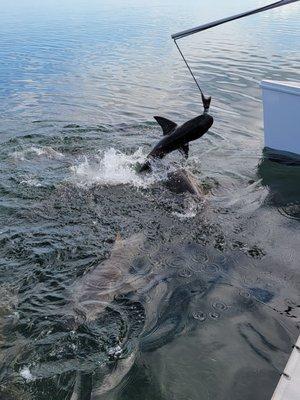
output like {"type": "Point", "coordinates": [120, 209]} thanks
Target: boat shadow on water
{"type": "Point", "coordinates": [280, 173]}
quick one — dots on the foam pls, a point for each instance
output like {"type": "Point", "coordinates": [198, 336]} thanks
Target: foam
{"type": "Point", "coordinates": [113, 167]}
{"type": "Point", "coordinates": [26, 374]}
{"type": "Point", "coordinates": [36, 152]}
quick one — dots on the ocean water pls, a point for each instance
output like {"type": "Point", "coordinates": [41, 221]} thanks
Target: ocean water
{"type": "Point", "coordinates": [207, 305]}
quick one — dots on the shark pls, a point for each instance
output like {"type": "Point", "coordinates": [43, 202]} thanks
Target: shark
{"type": "Point", "coordinates": [97, 290]}
{"type": "Point", "coordinates": [177, 137]}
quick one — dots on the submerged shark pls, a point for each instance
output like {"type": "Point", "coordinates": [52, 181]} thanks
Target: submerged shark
{"type": "Point", "coordinates": [114, 287]}
{"type": "Point", "coordinates": [97, 290]}
{"type": "Point", "coordinates": [177, 137]}
{"type": "Point", "coordinates": [182, 181]}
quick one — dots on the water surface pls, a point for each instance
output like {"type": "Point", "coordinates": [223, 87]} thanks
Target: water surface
{"type": "Point", "coordinates": [80, 82]}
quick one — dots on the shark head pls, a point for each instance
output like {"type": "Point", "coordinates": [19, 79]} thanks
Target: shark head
{"type": "Point", "coordinates": [97, 289]}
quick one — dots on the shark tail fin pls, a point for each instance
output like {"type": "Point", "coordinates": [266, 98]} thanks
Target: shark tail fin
{"type": "Point", "coordinates": [184, 149]}
{"type": "Point", "coordinates": [167, 125]}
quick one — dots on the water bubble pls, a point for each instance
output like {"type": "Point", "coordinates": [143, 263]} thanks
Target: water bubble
{"type": "Point", "coordinates": [200, 316]}
{"type": "Point", "coordinates": [199, 255]}
{"type": "Point", "coordinates": [196, 267]}
{"type": "Point", "coordinates": [199, 258]}
{"type": "Point", "coordinates": [246, 299]}
{"type": "Point", "coordinates": [141, 264]}
{"type": "Point", "coordinates": [244, 293]}
{"type": "Point", "coordinates": [177, 262]}
{"type": "Point", "coordinates": [219, 305]}
{"type": "Point", "coordinates": [161, 258]}
{"type": "Point", "coordinates": [167, 259]}
{"type": "Point", "coordinates": [211, 268]}
{"type": "Point", "coordinates": [185, 273]}
{"type": "Point", "coordinates": [214, 315]}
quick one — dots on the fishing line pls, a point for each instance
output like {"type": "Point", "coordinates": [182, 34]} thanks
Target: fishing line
{"type": "Point", "coordinates": [205, 100]}
{"type": "Point", "coordinates": [189, 68]}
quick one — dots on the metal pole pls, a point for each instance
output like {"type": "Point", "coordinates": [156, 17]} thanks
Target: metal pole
{"type": "Point", "coordinates": [201, 28]}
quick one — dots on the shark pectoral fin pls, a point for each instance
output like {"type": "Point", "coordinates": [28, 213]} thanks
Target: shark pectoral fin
{"type": "Point", "coordinates": [184, 149]}
{"type": "Point", "coordinates": [167, 125]}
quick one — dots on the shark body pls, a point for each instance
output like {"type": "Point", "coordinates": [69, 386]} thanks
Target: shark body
{"type": "Point", "coordinates": [177, 137]}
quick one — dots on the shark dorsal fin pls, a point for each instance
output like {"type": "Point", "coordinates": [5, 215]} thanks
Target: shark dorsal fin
{"type": "Point", "coordinates": [167, 125]}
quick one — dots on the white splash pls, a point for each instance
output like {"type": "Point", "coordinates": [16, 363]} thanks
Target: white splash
{"type": "Point", "coordinates": [112, 167]}
{"type": "Point", "coordinates": [26, 374]}
{"type": "Point", "coordinates": [36, 152]}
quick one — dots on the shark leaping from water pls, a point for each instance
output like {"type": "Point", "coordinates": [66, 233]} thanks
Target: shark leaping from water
{"type": "Point", "coordinates": [178, 137]}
